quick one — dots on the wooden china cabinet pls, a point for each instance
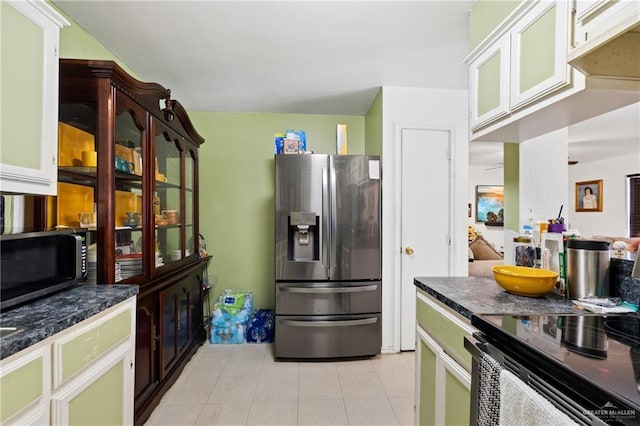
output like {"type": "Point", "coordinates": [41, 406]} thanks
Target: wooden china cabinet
{"type": "Point", "coordinates": [138, 193]}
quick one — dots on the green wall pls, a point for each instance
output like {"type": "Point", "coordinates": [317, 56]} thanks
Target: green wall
{"type": "Point", "coordinates": [373, 127]}
{"type": "Point", "coordinates": [511, 186]}
{"type": "Point", "coordinates": [485, 17]}
{"type": "Point", "coordinates": [237, 189]}
{"type": "Point", "coordinates": [236, 176]}
{"type": "Point", "coordinates": [76, 43]}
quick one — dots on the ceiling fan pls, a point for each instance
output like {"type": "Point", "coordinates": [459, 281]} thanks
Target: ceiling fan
{"type": "Point", "coordinates": [501, 165]}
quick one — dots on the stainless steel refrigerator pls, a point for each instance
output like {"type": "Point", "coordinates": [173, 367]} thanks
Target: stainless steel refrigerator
{"type": "Point", "coordinates": [328, 266]}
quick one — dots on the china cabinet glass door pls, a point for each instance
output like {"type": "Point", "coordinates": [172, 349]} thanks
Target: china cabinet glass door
{"type": "Point", "coordinates": [130, 123]}
{"type": "Point", "coordinates": [75, 204]}
{"type": "Point", "coordinates": [189, 207]}
{"type": "Point", "coordinates": [168, 204]}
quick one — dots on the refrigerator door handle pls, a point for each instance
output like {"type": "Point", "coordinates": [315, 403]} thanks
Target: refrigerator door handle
{"type": "Point", "coordinates": [333, 250]}
{"type": "Point", "coordinates": [325, 219]}
{"type": "Point", "coordinates": [329, 290]}
{"type": "Point", "coordinates": [341, 323]}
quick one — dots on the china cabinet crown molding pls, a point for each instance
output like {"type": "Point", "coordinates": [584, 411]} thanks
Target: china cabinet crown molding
{"type": "Point", "coordinates": [145, 94]}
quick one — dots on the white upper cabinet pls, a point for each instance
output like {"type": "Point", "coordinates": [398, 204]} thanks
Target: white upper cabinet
{"type": "Point", "coordinates": [30, 32]}
{"type": "Point", "coordinates": [522, 61]}
{"type": "Point", "coordinates": [539, 45]}
{"type": "Point", "coordinates": [607, 38]}
{"type": "Point", "coordinates": [522, 84]}
{"type": "Point", "coordinates": [489, 72]}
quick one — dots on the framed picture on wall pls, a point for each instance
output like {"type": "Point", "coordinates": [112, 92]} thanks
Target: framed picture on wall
{"type": "Point", "coordinates": [589, 196]}
{"type": "Point", "coordinates": [490, 204]}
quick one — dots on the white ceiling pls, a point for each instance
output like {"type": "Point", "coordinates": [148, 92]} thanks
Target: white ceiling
{"type": "Point", "coordinates": [308, 57]}
{"type": "Point", "coordinates": [311, 57]}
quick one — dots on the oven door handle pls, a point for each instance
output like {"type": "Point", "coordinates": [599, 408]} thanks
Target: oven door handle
{"type": "Point", "coordinates": [322, 323]}
{"type": "Point", "coordinates": [329, 290]}
{"type": "Point", "coordinates": [475, 344]}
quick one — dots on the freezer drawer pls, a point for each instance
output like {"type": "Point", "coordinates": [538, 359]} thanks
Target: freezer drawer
{"type": "Point", "coordinates": [327, 336]}
{"type": "Point", "coordinates": [328, 298]}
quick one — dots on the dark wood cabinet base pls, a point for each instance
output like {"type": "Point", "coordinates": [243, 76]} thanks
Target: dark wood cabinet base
{"type": "Point", "coordinates": [169, 330]}
{"type": "Point", "coordinates": [144, 408]}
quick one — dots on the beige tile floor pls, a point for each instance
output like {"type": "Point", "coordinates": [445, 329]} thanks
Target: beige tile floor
{"type": "Point", "coordinates": [243, 385]}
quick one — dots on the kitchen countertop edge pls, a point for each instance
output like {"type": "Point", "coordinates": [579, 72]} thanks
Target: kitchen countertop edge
{"type": "Point", "coordinates": [48, 316]}
{"type": "Point", "coordinates": [481, 295]}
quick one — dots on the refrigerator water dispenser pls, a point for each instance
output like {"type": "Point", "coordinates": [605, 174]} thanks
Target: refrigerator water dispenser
{"type": "Point", "coordinates": [303, 241]}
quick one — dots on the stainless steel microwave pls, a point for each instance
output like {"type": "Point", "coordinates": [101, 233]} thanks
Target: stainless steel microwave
{"type": "Point", "coordinates": [36, 264]}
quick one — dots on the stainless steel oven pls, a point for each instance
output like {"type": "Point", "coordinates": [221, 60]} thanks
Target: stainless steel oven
{"type": "Point", "coordinates": [584, 368]}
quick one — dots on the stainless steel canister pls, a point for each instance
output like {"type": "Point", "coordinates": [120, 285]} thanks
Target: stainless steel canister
{"type": "Point", "coordinates": [587, 268]}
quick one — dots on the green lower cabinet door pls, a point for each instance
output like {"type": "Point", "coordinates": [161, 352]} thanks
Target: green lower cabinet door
{"type": "Point", "coordinates": [458, 396]}
{"type": "Point", "coordinates": [427, 373]}
{"type": "Point", "coordinates": [25, 383]}
{"type": "Point", "coordinates": [101, 403]}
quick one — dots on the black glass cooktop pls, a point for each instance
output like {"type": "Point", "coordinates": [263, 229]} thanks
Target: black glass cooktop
{"type": "Point", "coordinates": [602, 351]}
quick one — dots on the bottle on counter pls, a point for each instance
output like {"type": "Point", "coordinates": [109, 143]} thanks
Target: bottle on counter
{"type": "Point", "coordinates": [525, 251]}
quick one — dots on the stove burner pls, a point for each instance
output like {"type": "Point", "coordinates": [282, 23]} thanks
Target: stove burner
{"type": "Point", "coordinates": [625, 329]}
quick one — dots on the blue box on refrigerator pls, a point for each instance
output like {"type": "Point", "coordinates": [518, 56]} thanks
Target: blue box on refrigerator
{"type": "Point", "coordinates": [260, 328]}
{"type": "Point", "coordinates": [229, 317]}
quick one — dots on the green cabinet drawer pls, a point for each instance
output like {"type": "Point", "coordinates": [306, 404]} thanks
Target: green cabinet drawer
{"type": "Point", "coordinates": [445, 326]}
{"type": "Point", "coordinates": [25, 377]}
{"type": "Point", "coordinates": [80, 348]}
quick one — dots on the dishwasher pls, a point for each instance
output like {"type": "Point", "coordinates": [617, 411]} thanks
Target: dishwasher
{"type": "Point", "coordinates": [555, 369]}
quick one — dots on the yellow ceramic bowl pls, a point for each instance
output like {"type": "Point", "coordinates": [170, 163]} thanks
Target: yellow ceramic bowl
{"type": "Point", "coordinates": [524, 281]}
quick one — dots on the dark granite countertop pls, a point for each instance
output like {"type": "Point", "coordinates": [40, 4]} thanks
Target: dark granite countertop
{"type": "Point", "coordinates": [481, 295]}
{"type": "Point", "coordinates": [48, 316]}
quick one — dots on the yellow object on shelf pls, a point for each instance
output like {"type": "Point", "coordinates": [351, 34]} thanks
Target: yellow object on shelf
{"type": "Point", "coordinates": [524, 280]}
{"type": "Point", "coordinates": [71, 142]}
{"type": "Point", "coordinates": [73, 200]}
{"type": "Point", "coordinates": [126, 202]}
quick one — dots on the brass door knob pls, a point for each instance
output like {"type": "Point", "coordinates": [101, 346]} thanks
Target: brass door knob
{"type": "Point", "coordinates": [408, 250]}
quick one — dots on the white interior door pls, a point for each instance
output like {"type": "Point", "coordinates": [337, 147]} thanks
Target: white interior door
{"type": "Point", "coordinates": [426, 217]}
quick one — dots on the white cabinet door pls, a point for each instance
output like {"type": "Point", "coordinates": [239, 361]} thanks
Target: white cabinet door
{"type": "Point", "coordinates": [489, 83]}
{"type": "Point", "coordinates": [539, 46]}
{"type": "Point", "coordinates": [29, 85]}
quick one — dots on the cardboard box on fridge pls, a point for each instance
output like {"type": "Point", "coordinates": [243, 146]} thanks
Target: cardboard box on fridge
{"type": "Point", "coordinates": [341, 139]}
